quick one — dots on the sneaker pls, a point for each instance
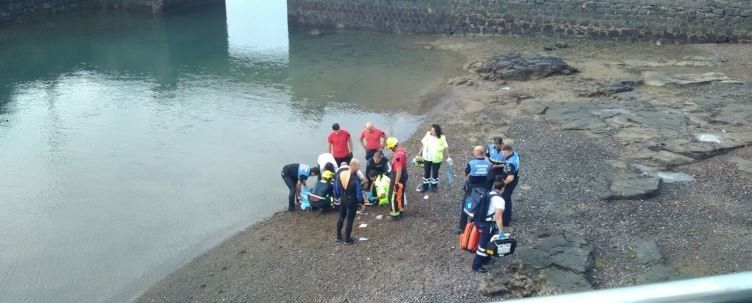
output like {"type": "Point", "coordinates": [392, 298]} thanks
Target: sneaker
{"type": "Point", "coordinates": [351, 241]}
{"type": "Point", "coordinates": [481, 269]}
{"type": "Point", "coordinates": [337, 240]}
{"type": "Point", "coordinates": [421, 189]}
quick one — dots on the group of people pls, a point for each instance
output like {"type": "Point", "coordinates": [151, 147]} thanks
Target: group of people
{"type": "Point", "coordinates": [493, 170]}
{"type": "Point", "coordinates": [343, 186]}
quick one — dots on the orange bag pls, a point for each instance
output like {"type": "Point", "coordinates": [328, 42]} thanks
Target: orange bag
{"type": "Point", "coordinates": [469, 238]}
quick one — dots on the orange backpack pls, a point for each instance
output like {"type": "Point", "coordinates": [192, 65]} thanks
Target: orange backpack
{"type": "Point", "coordinates": [469, 238]}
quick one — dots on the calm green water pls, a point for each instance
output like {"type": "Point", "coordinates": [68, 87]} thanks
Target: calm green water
{"type": "Point", "coordinates": [129, 144]}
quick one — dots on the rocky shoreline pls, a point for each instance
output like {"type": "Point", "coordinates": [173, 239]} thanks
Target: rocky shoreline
{"type": "Point", "coordinates": [635, 169]}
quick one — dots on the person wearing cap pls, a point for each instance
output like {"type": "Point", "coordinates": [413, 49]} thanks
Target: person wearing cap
{"type": "Point", "coordinates": [372, 139]}
{"type": "Point", "coordinates": [321, 195]}
{"type": "Point", "coordinates": [340, 144]}
{"type": "Point", "coordinates": [347, 189]}
{"type": "Point", "coordinates": [398, 177]}
{"type": "Point", "coordinates": [295, 175]}
{"type": "Point", "coordinates": [477, 173]}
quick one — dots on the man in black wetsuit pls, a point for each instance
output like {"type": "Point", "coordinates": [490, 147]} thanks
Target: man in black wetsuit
{"type": "Point", "coordinates": [347, 189]}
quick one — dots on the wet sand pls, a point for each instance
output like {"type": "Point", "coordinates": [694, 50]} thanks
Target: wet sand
{"type": "Point", "coordinates": [700, 227]}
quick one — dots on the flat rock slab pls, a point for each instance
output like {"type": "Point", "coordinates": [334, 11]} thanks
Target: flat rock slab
{"type": "Point", "coordinates": [562, 250]}
{"type": "Point", "coordinates": [575, 116]}
{"type": "Point", "coordinates": [697, 61]}
{"type": "Point", "coordinates": [633, 186]}
{"type": "Point", "coordinates": [671, 159]}
{"type": "Point", "coordinates": [660, 79]}
{"type": "Point", "coordinates": [516, 67]}
{"type": "Point", "coordinates": [608, 88]}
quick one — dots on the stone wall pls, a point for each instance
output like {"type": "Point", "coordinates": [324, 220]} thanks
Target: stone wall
{"type": "Point", "coordinates": [14, 10]}
{"type": "Point", "coordinates": [667, 20]}
{"type": "Point", "coordinates": [19, 10]}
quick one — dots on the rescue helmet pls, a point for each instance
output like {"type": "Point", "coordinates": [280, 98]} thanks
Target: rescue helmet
{"type": "Point", "coordinates": [391, 142]}
{"type": "Point", "coordinates": [327, 175]}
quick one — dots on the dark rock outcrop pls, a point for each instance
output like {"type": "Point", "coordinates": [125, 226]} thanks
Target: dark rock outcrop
{"type": "Point", "coordinates": [516, 67]}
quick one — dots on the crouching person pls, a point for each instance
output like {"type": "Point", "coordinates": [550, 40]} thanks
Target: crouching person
{"type": "Point", "coordinates": [492, 204]}
{"type": "Point", "coordinates": [321, 196]}
{"type": "Point", "coordinates": [379, 189]}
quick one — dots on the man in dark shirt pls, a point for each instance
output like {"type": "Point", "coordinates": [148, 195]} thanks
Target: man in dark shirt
{"type": "Point", "coordinates": [379, 164]}
{"type": "Point", "coordinates": [510, 173]}
{"type": "Point", "coordinates": [494, 154]}
{"type": "Point", "coordinates": [295, 175]}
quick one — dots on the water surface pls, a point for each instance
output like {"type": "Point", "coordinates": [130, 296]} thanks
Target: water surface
{"type": "Point", "coordinates": [131, 143]}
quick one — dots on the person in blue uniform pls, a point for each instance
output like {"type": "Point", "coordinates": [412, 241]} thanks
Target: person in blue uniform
{"type": "Point", "coordinates": [295, 175]}
{"type": "Point", "coordinates": [496, 157]}
{"type": "Point", "coordinates": [510, 174]}
{"type": "Point", "coordinates": [476, 171]}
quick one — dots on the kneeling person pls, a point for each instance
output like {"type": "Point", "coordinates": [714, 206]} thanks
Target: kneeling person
{"type": "Point", "coordinates": [295, 176]}
{"type": "Point", "coordinates": [321, 196]}
{"type": "Point", "coordinates": [379, 188]}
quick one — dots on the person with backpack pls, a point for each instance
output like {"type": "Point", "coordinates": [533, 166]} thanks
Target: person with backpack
{"type": "Point", "coordinates": [488, 220]}
{"type": "Point", "coordinates": [295, 176]}
{"type": "Point", "coordinates": [347, 189]}
{"type": "Point", "coordinates": [476, 171]}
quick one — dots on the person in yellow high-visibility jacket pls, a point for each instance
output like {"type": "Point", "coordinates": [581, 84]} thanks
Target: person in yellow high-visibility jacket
{"type": "Point", "coordinates": [381, 187]}
{"type": "Point", "coordinates": [433, 150]}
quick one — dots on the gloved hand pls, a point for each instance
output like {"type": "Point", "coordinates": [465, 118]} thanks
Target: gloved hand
{"type": "Point", "coordinates": [500, 235]}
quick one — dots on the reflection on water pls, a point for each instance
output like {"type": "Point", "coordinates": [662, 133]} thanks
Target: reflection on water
{"type": "Point", "coordinates": [129, 144]}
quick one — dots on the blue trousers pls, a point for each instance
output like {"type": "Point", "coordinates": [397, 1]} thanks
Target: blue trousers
{"type": "Point", "coordinates": [487, 230]}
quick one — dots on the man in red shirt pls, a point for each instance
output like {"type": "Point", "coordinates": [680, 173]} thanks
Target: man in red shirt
{"type": "Point", "coordinates": [398, 177]}
{"type": "Point", "coordinates": [371, 141]}
{"type": "Point", "coordinates": [340, 144]}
